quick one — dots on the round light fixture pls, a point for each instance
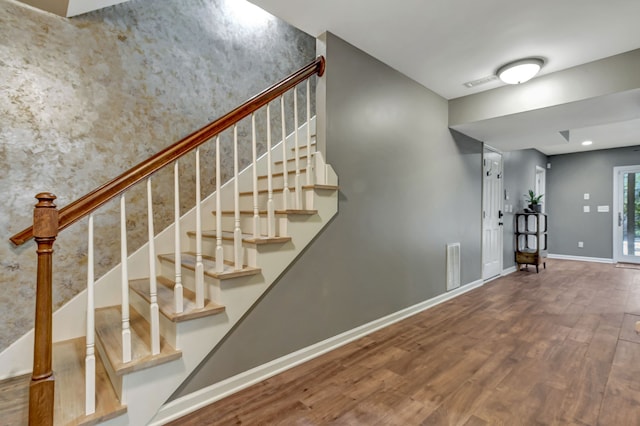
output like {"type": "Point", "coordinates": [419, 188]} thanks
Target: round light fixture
{"type": "Point", "coordinates": [518, 72]}
{"type": "Point", "coordinates": [587, 143]}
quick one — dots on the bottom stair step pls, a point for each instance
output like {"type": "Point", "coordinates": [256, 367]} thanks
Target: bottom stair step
{"type": "Point", "coordinates": [14, 400]}
{"type": "Point", "coordinates": [109, 330]}
{"type": "Point", "coordinates": [68, 368]}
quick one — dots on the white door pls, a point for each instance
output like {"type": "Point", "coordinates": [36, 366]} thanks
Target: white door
{"type": "Point", "coordinates": [626, 214]}
{"type": "Point", "coordinates": [541, 183]}
{"type": "Point", "coordinates": [491, 214]}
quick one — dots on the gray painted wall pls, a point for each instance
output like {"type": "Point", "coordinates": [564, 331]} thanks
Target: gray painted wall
{"type": "Point", "coordinates": [570, 177]}
{"type": "Point", "coordinates": [83, 99]}
{"type": "Point", "coordinates": [519, 176]}
{"type": "Point", "coordinates": [407, 188]}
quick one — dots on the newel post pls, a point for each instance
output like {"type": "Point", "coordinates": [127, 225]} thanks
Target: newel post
{"type": "Point", "coordinates": [45, 230]}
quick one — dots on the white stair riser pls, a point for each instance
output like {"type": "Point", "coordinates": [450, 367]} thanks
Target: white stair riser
{"type": "Point", "coordinates": [278, 181]}
{"type": "Point", "coordinates": [291, 164]}
{"type": "Point", "coordinates": [246, 224]}
{"type": "Point", "coordinates": [116, 380]}
{"type": "Point", "coordinates": [209, 248]}
{"type": "Point", "coordinates": [246, 200]}
{"type": "Point", "coordinates": [167, 327]}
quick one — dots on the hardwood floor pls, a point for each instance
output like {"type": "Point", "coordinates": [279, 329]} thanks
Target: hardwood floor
{"type": "Point", "coordinates": [553, 348]}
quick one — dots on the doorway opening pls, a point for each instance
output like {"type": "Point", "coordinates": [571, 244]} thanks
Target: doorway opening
{"type": "Point", "coordinates": [626, 214]}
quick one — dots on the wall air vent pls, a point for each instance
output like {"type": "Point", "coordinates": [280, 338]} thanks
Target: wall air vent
{"type": "Point", "coordinates": [478, 82]}
{"type": "Point", "coordinates": [453, 266]}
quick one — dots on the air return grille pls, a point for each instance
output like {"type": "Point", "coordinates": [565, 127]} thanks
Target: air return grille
{"type": "Point", "coordinates": [453, 266]}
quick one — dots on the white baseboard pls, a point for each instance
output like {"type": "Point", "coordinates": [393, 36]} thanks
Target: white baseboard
{"type": "Point", "coordinates": [508, 271]}
{"type": "Point", "coordinates": [203, 397]}
{"type": "Point", "coordinates": [580, 258]}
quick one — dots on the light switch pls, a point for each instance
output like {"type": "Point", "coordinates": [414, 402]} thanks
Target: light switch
{"type": "Point", "coordinates": [586, 209]}
{"type": "Point", "coordinates": [603, 209]}
{"type": "Point", "coordinates": [580, 244]}
{"type": "Point", "coordinates": [586, 195]}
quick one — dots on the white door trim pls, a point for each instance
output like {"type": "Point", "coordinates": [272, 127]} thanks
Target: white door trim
{"type": "Point", "coordinates": [618, 171]}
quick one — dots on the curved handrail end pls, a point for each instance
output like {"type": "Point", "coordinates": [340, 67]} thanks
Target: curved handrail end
{"type": "Point", "coordinates": [22, 237]}
{"type": "Point", "coordinates": [323, 64]}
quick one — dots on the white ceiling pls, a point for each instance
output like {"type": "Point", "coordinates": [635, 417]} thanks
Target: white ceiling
{"type": "Point", "coordinates": [444, 43]}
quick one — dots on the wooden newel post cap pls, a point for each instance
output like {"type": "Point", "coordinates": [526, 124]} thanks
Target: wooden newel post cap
{"type": "Point", "coordinates": [45, 216]}
{"type": "Point", "coordinates": [45, 199]}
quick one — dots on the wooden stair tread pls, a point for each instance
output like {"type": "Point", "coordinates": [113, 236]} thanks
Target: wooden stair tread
{"type": "Point", "coordinates": [14, 400]}
{"type": "Point", "coordinates": [209, 262]}
{"type": "Point", "coordinates": [301, 212]}
{"type": "Point", "coordinates": [292, 189]}
{"type": "Point", "coordinates": [109, 330]}
{"type": "Point", "coordinates": [321, 186]}
{"type": "Point", "coordinates": [247, 238]}
{"type": "Point", "coordinates": [69, 370]}
{"type": "Point", "coordinates": [166, 300]}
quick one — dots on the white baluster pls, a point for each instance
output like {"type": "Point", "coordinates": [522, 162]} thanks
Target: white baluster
{"type": "Point", "coordinates": [256, 212]}
{"type": "Point", "coordinates": [199, 265]}
{"type": "Point", "coordinates": [298, 186]}
{"type": "Point", "coordinates": [219, 248]}
{"type": "Point", "coordinates": [177, 288]}
{"type": "Point", "coordinates": [285, 177]}
{"type": "Point", "coordinates": [90, 359]}
{"type": "Point", "coordinates": [271, 216]}
{"type": "Point", "coordinates": [153, 285]}
{"type": "Point", "coordinates": [310, 173]}
{"type": "Point", "coordinates": [126, 331]}
{"type": "Point", "coordinates": [237, 232]}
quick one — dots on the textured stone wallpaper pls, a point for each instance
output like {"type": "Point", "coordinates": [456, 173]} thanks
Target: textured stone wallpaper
{"type": "Point", "coordinates": [83, 99]}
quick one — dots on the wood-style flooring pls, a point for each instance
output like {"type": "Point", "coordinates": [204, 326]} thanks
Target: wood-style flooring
{"type": "Point", "coordinates": [554, 348]}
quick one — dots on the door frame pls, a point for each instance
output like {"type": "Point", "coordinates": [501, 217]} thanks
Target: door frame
{"type": "Point", "coordinates": [500, 207]}
{"type": "Point", "coordinates": [617, 204]}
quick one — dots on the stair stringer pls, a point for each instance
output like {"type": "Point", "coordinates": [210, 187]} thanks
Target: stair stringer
{"type": "Point", "coordinates": [146, 391]}
{"type": "Point", "coordinates": [69, 321]}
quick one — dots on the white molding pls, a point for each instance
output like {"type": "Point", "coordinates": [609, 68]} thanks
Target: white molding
{"type": "Point", "coordinates": [580, 258]}
{"type": "Point", "coordinates": [203, 397]}
{"type": "Point", "coordinates": [508, 271]}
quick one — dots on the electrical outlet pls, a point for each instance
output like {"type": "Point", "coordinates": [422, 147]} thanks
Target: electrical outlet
{"type": "Point", "coordinates": [580, 244]}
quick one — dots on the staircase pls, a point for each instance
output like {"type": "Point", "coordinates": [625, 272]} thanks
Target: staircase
{"type": "Point", "coordinates": [152, 319]}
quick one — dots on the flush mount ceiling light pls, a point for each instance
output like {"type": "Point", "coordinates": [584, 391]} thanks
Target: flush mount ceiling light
{"type": "Point", "coordinates": [520, 71]}
{"type": "Point", "coordinates": [587, 143]}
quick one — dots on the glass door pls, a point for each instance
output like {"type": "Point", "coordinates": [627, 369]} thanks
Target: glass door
{"type": "Point", "coordinates": [627, 214]}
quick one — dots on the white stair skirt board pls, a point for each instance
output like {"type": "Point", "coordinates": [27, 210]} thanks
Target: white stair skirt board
{"type": "Point", "coordinates": [580, 258]}
{"type": "Point", "coordinates": [203, 397]}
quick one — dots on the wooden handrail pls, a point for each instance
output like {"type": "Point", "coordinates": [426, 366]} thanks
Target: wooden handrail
{"type": "Point", "coordinates": [96, 198]}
